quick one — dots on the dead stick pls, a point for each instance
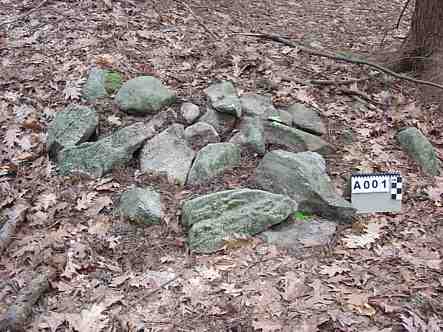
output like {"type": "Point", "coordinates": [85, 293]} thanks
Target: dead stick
{"type": "Point", "coordinates": [402, 13]}
{"type": "Point", "coordinates": [200, 22]}
{"type": "Point", "coordinates": [16, 216]}
{"type": "Point", "coordinates": [16, 316]}
{"type": "Point", "coordinates": [25, 14]}
{"type": "Point", "coordinates": [334, 56]}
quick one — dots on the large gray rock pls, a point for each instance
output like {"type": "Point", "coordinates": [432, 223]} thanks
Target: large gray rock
{"type": "Point", "coordinates": [301, 234]}
{"type": "Point", "coordinates": [201, 134]}
{"type": "Point", "coordinates": [255, 105]}
{"type": "Point", "coordinates": [70, 127]}
{"type": "Point", "coordinates": [144, 95]}
{"type": "Point", "coordinates": [223, 97]}
{"type": "Point", "coordinates": [251, 135]}
{"type": "Point", "coordinates": [302, 176]}
{"type": "Point", "coordinates": [101, 83]}
{"type": "Point", "coordinates": [190, 112]}
{"type": "Point", "coordinates": [295, 140]}
{"type": "Point", "coordinates": [98, 158]}
{"type": "Point", "coordinates": [222, 122]}
{"type": "Point", "coordinates": [212, 219]}
{"type": "Point", "coordinates": [140, 205]}
{"type": "Point", "coordinates": [168, 153]}
{"type": "Point", "coordinates": [420, 149]}
{"type": "Point", "coordinates": [213, 160]}
{"type": "Point", "coordinates": [307, 119]}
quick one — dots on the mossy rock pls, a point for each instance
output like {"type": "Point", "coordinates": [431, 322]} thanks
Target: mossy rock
{"type": "Point", "coordinates": [113, 82]}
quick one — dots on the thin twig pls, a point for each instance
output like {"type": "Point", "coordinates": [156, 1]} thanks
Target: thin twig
{"type": "Point", "coordinates": [20, 17]}
{"type": "Point", "coordinates": [338, 57]}
{"type": "Point", "coordinates": [402, 13]}
{"type": "Point", "coordinates": [200, 22]}
{"type": "Point", "coordinates": [163, 285]}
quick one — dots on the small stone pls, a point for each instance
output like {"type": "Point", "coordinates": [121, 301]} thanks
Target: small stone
{"type": "Point", "coordinates": [140, 205]}
{"type": "Point", "coordinates": [201, 134]}
{"type": "Point", "coordinates": [222, 122]}
{"type": "Point", "coordinates": [190, 112]}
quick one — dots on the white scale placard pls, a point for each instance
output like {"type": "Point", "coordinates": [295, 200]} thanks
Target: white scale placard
{"type": "Point", "coordinates": [377, 192]}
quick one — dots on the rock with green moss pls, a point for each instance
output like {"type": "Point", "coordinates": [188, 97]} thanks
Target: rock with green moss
{"type": "Point", "coordinates": [140, 205]}
{"type": "Point", "coordinates": [98, 158]}
{"type": "Point", "coordinates": [215, 218]}
{"type": "Point", "coordinates": [223, 98]}
{"type": "Point", "coordinates": [144, 95]}
{"type": "Point", "coordinates": [101, 83]}
{"type": "Point", "coordinates": [222, 122]}
{"type": "Point", "coordinates": [420, 149]}
{"type": "Point", "coordinates": [213, 160]}
{"type": "Point", "coordinates": [72, 126]}
{"type": "Point", "coordinates": [251, 135]}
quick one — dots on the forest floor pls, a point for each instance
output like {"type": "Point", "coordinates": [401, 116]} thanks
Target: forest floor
{"type": "Point", "coordinates": [114, 276]}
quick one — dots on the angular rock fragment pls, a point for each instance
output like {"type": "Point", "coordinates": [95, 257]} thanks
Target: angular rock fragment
{"type": "Point", "coordinates": [213, 160]}
{"type": "Point", "coordinates": [302, 176]}
{"type": "Point", "coordinates": [72, 126]}
{"type": "Point", "coordinates": [169, 153]}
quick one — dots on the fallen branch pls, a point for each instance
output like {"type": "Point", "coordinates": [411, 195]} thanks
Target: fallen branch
{"type": "Point", "coordinates": [200, 22]}
{"type": "Point", "coordinates": [16, 316]}
{"type": "Point", "coordinates": [338, 57]}
{"type": "Point", "coordinates": [20, 17]}
{"type": "Point", "coordinates": [16, 216]}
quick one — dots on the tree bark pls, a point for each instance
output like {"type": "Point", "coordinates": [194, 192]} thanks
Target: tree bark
{"type": "Point", "coordinates": [422, 51]}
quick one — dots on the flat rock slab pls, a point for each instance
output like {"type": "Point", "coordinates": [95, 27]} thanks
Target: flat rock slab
{"type": "Point", "coordinates": [302, 176]}
{"type": "Point", "coordinates": [144, 95]}
{"type": "Point", "coordinates": [98, 158]}
{"type": "Point", "coordinates": [295, 140]}
{"type": "Point", "coordinates": [101, 83]}
{"type": "Point", "coordinates": [212, 219]}
{"type": "Point", "coordinates": [72, 126]}
{"type": "Point", "coordinates": [213, 160]}
{"type": "Point", "coordinates": [301, 234]}
{"type": "Point", "coordinates": [168, 153]}
{"type": "Point", "coordinates": [251, 135]}
{"type": "Point", "coordinates": [140, 205]}
{"type": "Point", "coordinates": [223, 97]}
{"type": "Point", "coordinates": [420, 149]}
{"type": "Point", "coordinates": [307, 119]}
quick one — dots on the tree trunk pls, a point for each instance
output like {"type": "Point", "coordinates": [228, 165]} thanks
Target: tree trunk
{"type": "Point", "coordinates": [423, 49]}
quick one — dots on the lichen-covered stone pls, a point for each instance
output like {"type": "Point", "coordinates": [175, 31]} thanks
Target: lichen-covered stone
{"type": "Point", "coordinates": [212, 219]}
{"type": "Point", "coordinates": [251, 135]}
{"type": "Point", "coordinates": [190, 112]}
{"type": "Point", "coordinates": [420, 149]}
{"type": "Point", "coordinates": [72, 126]}
{"type": "Point", "coordinates": [201, 134]}
{"type": "Point", "coordinates": [144, 95]}
{"type": "Point", "coordinates": [168, 153]}
{"type": "Point", "coordinates": [222, 122]}
{"type": "Point", "coordinates": [98, 158]}
{"type": "Point", "coordinates": [213, 160]}
{"type": "Point", "coordinates": [140, 205]}
{"type": "Point", "coordinates": [307, 119]}
{"type": "Point", "coordinates": [223, 98]}
{"type": "Point", "coordinates": [302, 176]}
{"type": "Point", "coordinates": [295, 140]}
